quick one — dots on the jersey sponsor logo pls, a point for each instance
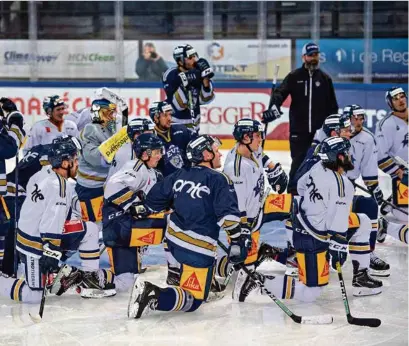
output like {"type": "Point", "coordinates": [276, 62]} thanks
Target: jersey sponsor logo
{"type": "Point", "coordinates": [278, 201]}
{"type": "Point", "coordinates": [313, 191]}
{"type": "Point", "coordinates": [325, 271]}
{"type": "Point", "coordinates": [192, 283]}
{"type": "Point", "coordinates": [47, 129]}
{"type": "Point", "coordinates": [36, 194]}
{"type": "Point", "coordinates": [194, 190]}
{"type": "Point", "coordinates": [148, 238]}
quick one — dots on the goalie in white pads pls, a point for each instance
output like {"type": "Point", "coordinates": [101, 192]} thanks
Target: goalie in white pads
{"type": "Point", "coordinates": [392, 139]}
{"type": "Point", "coordinates": [45, 234]}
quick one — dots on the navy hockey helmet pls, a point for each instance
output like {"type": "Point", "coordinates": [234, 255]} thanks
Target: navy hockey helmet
{"type": "Point", "coordinates": [180, 53]}
{"type": "Point", "coordinates": [157, 108]}
{"type": "Point", "coordinates": [63, 148]}
{"type": "Point", "coordinates": [391, 93]}
{"type": "Point", "coordinates": [99, 104]}
{"type": "Point", "coordinates": [139, 126]}
{"type": "Point", "coordinates": [354, 111]}
{"type": "Point", "coordinates": [247, 126]}
{"type": "Point", "coordinates": [51, 102]}
{"type": "Point", "coordinates": [331, 147]}
{"type": "Point", "coordinates": [196, 147]}
{"type": "Point", "coordinates": [331, 123]}
{"type": "Point", "coordinates": [147, 142]}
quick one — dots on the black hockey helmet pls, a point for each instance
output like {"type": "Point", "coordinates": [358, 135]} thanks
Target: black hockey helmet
{"type": "Point", "coordinates": [147, 142]}
{"type": "Point", "coordinates": [63, 148]}
{"type": "Point", "coordinates": [139, 126]}
{"type": "Point", "coordinates": [196, 147]}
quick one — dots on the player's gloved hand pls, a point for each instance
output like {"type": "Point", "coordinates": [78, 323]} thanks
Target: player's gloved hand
{"type": "Point", "coordinates": [277, 178]}
{"type": "Point", "coordinates": [16, 119]}
{"type": "Point", "coordinates": [271, 114]}
{"type": "Point", "coordinates": [204, 67]}
{"type": "Point", "coordinates": [7, 105]}
{"type": "Point", "coordinates": [191, 78]}
{"type": "Point", "coordinates": [238, 250]}
{"type": "Point", "coordinates": [139, 211]}
{"type": "Point", "coordinates": [338, 249]}
{"type": "Point", "coordinates": [246, 234]}
{"type": "Point", "coordinates": [377, 194]}
{"type": "Point", "coordinates": [50, 258]}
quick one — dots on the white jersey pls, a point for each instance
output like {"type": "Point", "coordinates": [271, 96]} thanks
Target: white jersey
{"type": "Point", "coordinates": [122, 156]}
{"type": "Point", "coordinates": [319, 136]}
{"type": "Point", "coordinates": [392, 140]}
{"type": "Point", "coordinates": [81, 117]}
{"type": "Point", "coordinates": [248, 179]}
{"type": "Point", "coordinates": [44, 131]}
{"type": "Point", "coordinates": [364, 155]}
{"type": "Point", "coordinates": [326, 198]}
{"type": "Point", "coordinates": [134, 176]}
{"type": "Point", "coordinates": [44, 212]}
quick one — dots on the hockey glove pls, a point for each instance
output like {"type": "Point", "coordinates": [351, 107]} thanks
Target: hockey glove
{"type": "Point", "coordinates": [277, 178]}
{"type": "Point", "coordinates": [271, 114]}
{"type": "Point", "coordinates": [205, 70]}
{"type": "Point", "coordinates": [377, 194]}
{"type": "Point", "coordinates": [338, 249]}
{"type": "Point", "coordinates": [191, 78]}
{"type": "Point", "coordinates": [238, 250]}
{"type": "Point", "coordinates": [16, 119]}
{"type": "Point", "coordinates": [139, 211]}
{"type": "Point", "coordinates": [246, 235]}
{"type": "Point", "coordinates": [7, 105]}
{"type": "Point", "coordinates": [50, 258]}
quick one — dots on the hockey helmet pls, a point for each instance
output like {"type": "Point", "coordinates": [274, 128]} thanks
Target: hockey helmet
{"type": "Point", "coordinates": [51, 102]}
{"type": "Point", "coordinates": [63, 148]}
{"type": "Point", "coordinates": [391, 93]}
{"type": "Point", "coordinates": [247, 126]}
{"type": "Point", "coordinates": [196, 147]}
{"type": "Point", "coordinates": [180, 53]}
{"type": "Point", "coordinates": [138, 126]}
{"type": "Point", "coordinates": [354, 111]}
{"type": "Point", "coordinates": [99, 104]}
{"type": "Point", "coordinates": [157, 108]}
{"type": "Point", "coordinates": [147, 142]}
{"type": "Point", "coordinates": [331, 147]}
{"type": "Point", "coordinates": [331, 123]}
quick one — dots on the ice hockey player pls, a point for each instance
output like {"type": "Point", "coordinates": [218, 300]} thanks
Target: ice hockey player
{"type": "Point", "coordinates": [175, 138]}
{"type": "Point", "coordinates": [124, 231]}
{"type": "Point", "coordinates": [11, 137]}
{"type": "Point", "coordinates": [188, 85]}
{"type": "Point", "coordinates": [44, 233]}
{"type": "Point", "coordinates": [192, 236]}
{"type": "Point", "coordinates": [126, 153]}
{"type": "Point", "coordinates": [392, 140]}
{"type": "Point", "coordinates": [44, 131]}
{"type": "Point", "coordinates": [245, 165]}
{"type": "Point", "coordinates": [320, 229]}
{"type": "Point", "coordinates": [93, 169]}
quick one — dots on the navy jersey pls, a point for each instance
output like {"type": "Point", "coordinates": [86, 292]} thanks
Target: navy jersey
{"type": "Point", "coordinates": [203, 200]}
{"type": "Point", "coordinates": [178, 97]}
{"type": "Point", "coordinates": [31, 163]}
{"type": "Point", "coordinates": [8, 150]}
{"type": "Point", "coordinates": [175, 141]}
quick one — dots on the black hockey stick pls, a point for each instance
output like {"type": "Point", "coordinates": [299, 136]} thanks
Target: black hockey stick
{"type": "Point", "coordinates": [323, 319]}
{"type": "Point", "coordinates": [38, 318]}
{"type": "Point", "coordinates": [383, 200]}
{"type": "Point", "coordinates": [270, 103]}
{"type": "Point", "coordinates": [16, 256]}
{"type": "Point", "coordinates": [366, 322]}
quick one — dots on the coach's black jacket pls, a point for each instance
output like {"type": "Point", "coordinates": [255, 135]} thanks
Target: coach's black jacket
{"type": "Point", "coordinates": [312, 99]}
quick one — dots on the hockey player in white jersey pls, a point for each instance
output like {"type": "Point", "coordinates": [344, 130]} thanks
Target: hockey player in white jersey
{"type": "Point", "coordinates": [80, 117]}
{"type": "Point", "coordinates": [392, 140]}
{"type": "Point", "coordinates": [126, 153]}
{"type": "Point", "coordinates": [123, 233]}
{"type": "Point", "coordinates": [45, 234]}
{"type": "Point", "coordinates": [245, 166]}
{"type": "Point", "coordinates": [44, 131]}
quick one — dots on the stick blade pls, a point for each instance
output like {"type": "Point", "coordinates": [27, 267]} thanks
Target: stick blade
{"type": "Point", "coordinates": [365, 322]}
{"type": "Point", "coordinates": [319, 319]}
{"type": "Point", "coordinates": [36, 318]}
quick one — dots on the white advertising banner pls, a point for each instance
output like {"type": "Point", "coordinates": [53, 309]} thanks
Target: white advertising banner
{"type": "Point", "coordinates": [70, 59]}
{"type": "Point", "coordinates": [234, 59]}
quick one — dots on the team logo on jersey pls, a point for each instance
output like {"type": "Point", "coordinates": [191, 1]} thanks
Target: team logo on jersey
{"type": "Point", "coordinates": [174, 157]}
{"type": "Point", "coordinates": [405, 141]}
{"type": "Point", "coordinates": [259, 187]}
{"type": "Point", "coordinates": [36, 194]}
{"type": "Point", "coordinates": [194, 190]}
{"type": "Point", "coordinates": [192, 283]}
{"type": "Point", "coordinates": [313, 191]}
{"type": "Point", "coordinates": [317, 84]}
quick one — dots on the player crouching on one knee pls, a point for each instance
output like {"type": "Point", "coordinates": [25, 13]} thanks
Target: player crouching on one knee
{"type": "Point", "coordinates": [45, 235]}
{"type": "Point", "coordinates": [125, 230]}
{"type": "Point", "coordinates": [203, 200]}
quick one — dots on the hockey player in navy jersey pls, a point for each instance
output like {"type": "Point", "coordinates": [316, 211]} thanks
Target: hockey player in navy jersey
{"type": "Point", "coordinates": [192, 235]}
{"type": "Point", "coordinates": [188, 85]}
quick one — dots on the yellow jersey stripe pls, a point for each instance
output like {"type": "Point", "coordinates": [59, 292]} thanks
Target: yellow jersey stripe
{"type": "Point", "coordinates": [187, 239]}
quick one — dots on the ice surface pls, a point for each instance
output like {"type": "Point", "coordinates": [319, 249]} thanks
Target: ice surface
{"type": "Point", "coordinates": [71, 320]}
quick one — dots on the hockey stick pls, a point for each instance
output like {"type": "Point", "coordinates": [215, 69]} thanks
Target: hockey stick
{"type": "Point", "coordinates": [270, 103]}
{"type": "Point", "coordinates": [401, 161]}
{"type": "Point", "coordinates": [383, 200]}
{"type": "Point", "coordinates": [323, 319]}
{"type": "Point", "coordinates": [367, 322]}
{"type": "Point", "coordinates": [16, 256]}
{"type": "Point", "coordinates": [38, 318]}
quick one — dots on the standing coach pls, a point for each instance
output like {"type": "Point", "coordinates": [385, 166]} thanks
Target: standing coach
{"type": "Point", "coordinates": [312, 100]}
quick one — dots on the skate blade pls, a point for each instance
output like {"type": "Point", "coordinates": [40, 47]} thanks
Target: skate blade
{"type": "Point", "coordinates": [36, 318]}
{"type": "Point", "coordinates": [133, 305]}
{"type": "Point", "coordinates": [364, 291]}
{"type": "Point", "coordinates": [214, 296]}
{"type": "Point", "coordinates": [379, 273]}
{"type": "Point", "coordinates": [96, 293]}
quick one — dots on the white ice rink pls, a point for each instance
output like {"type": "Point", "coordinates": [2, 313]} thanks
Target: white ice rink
{"type": "Point", "coordinates": [71, 320]}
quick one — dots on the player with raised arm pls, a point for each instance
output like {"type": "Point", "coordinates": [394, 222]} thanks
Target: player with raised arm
{"type": "Point", "coordinates": [192, 237]}
{"type": "Point", "coordinates": [392, 140]}
{"type": "Point", "coordinates": [44, 131]}
{"type": "Point", "coordinates": [124, 232]}
{"type": "Point", "coordinates": [188, 85]}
